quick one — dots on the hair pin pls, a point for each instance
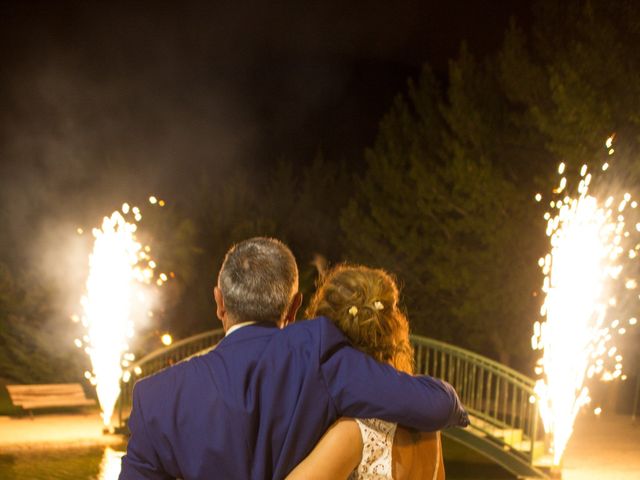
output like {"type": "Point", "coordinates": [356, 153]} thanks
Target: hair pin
{"type": "Point", "coordinates": [353, 311]}
{"type": "Point", "coordinates": [378, 305]}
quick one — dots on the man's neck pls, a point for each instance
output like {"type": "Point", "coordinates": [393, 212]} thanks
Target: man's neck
{"type": "Point", "coordinates": [237, 326]}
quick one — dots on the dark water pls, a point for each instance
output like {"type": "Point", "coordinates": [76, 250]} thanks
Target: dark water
{"type": "Point", "coordinates": [100, 463]}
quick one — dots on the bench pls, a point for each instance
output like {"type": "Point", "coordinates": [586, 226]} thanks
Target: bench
{"type": "Point", "coordinates": [30, 397]}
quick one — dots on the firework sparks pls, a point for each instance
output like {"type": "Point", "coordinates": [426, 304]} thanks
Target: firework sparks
{"type": "Point", "coordinates": [119, 267]}
{"type": "Point", "coordinates": [582, 274]}
{"type": "Point", "coordinates": [110, 464]}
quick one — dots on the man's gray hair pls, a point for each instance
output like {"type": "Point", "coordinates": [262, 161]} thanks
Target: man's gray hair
{"type": "Point", "coordinates": [258, 280]}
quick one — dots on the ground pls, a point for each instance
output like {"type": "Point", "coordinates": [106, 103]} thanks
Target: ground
{"type": "Point", "coordinates": [603, 448]}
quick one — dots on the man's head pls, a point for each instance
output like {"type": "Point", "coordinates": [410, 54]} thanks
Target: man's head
{"type": "Point", "coordinates": [258, 282]}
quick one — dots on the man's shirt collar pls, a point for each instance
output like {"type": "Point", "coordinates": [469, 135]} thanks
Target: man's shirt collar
{"type": "Point", "coordinates": [237, 326]}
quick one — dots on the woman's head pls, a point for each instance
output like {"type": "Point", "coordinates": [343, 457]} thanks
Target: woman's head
{"type": "Point", "coordinates": [363, 303]}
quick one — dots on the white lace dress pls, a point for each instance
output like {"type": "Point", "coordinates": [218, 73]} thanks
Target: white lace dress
{"type": "Point", "coordinates": [377, 441]}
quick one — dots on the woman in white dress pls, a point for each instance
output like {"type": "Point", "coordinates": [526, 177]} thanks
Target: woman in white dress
{"type": "Point", "coordinates": [363, 303]}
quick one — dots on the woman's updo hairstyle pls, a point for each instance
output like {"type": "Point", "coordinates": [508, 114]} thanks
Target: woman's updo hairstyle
{"type": "Point", "coordinates": [363, 303]}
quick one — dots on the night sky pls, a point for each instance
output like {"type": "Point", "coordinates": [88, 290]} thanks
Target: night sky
{"type": "Point", "coordinates": [104, 99]}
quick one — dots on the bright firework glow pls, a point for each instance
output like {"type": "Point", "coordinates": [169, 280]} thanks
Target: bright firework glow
{"type": "Point", "coordinates": [582, 273]}
{"type": "Point", "coordinates": [110, 306]}
{"type": "Point", "coordinates": [110, 464]}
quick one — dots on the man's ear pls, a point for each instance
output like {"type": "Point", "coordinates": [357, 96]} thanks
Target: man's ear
{"type": "Point", "coordinates": [290, 317]}
{"type": "Point", "coordinates": [220, 310]}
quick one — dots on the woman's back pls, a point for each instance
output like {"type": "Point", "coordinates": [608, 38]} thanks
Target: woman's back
{"type": "Point", "coordinates": [417, 455]}
{"type": "Point", "coordinates": [397, 453]}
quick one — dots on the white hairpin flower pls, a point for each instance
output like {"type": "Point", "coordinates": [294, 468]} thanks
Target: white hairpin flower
{"type": "Point", "coordinates": [353, 310]}
{"type": "Point", "coordinates": [378, 305]}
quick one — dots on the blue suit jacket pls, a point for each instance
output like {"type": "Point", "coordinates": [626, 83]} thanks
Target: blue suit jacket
{"type": "Point", "coordinates": [257, 404]}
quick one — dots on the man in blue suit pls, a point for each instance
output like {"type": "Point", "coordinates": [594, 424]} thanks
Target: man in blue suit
{"type": "Point", "coordinates": [256, 405]}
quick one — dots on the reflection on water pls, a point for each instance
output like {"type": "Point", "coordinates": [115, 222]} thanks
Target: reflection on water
{"type": "Point", "coordinates": [76, 463]}
{"type": "Point", "coordinates": [110, 465]}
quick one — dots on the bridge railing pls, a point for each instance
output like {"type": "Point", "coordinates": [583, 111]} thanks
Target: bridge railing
{"type": "Point", "coordinates": [159, 360]}
{"type": "Point", "coordinates": [500, 399]}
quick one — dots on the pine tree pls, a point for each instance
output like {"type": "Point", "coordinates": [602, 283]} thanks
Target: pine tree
{"type": "Point", "coordinates": [440, 206]}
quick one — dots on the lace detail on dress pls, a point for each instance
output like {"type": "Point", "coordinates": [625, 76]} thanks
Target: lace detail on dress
{"type": "Point", "coordinates": [377, 440]}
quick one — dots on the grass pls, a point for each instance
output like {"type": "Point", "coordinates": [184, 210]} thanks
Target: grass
{"type": "Point", "coordinates": [54, 464]}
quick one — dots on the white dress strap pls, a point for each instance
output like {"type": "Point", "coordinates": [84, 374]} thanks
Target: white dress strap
{"type": "Point", "coordinates": [377, 441]}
